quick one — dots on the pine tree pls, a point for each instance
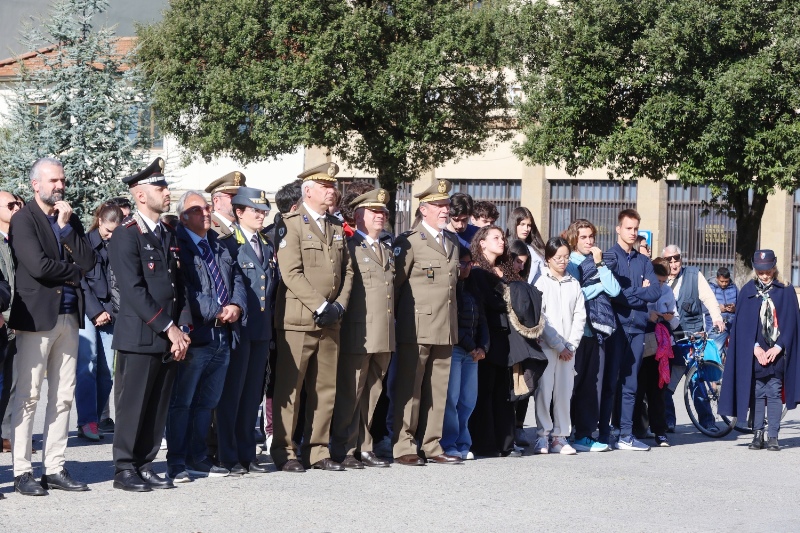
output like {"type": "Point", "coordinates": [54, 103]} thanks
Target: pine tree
{"type": "Point", "coordinates": [77, 101]}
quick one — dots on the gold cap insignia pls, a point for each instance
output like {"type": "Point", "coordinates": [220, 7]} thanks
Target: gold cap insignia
{"type": "Point", "coordinates": [382, 196]}
{"type": "Point", "coordinates": [442, 187]}
{"type": "Point", "coordinates": [236, 177]}
{"type": "Point", "coordinates": [332, 170]}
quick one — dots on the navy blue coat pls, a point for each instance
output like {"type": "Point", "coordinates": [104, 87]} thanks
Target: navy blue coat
{"type": "Point", "coordinates": [95, 283]}
{"type": "Point", "coordinates": [739, 364]}
{"type": "Point", "coordinates": [201, 297]}
{"type": "Point", "coordinates": [630, 305]}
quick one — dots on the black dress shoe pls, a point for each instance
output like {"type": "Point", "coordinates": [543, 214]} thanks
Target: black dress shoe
{"type": "Point", "coordinates": [256, 468]}
{"type": "Point", "coordinates": [155, 481]}
{"type": "Point", "coordinates": [63, 481]}
{"type": "Point", "coordinates": [328, 464]}
{"type": "Point", "coordinates": [370, 459]}
{"type": "Point", "coordinates": [129, 480]}
{"type": "Point", "coordinates": [292, 465]}
{"type": "Point", "coordinates": [444, 459]}
{"type": "Point", "coordinates": [758, 440]}
{"type": "Point", "coordinates": [235, 469]}
{"type": "Point", "coordinates": [352, 463]}
{"type": "Point", "coordinates": [410, 459]}
{"type": "Point", "coordinates": [772, 444]}
{"type": "Point", "coordinates": [27, 486]}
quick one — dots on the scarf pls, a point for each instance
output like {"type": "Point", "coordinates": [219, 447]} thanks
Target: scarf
{"type": "Point", "coordinates": [768, 317]}
{"type": "Point", "coordinates": [663, 354]}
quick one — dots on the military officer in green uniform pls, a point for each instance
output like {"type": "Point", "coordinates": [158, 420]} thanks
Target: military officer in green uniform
{"type": "Point", "coordinates": [316, 279]}
{"type": "Point", "coordinates": [367, 338]}
{"type": "Point", "coordinates": [426, 272]}
{"type": "Point", "coordinates": [222, 191]}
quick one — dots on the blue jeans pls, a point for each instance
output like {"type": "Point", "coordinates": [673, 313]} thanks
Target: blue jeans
{"type": "Point", "coordinates": [624, 352]}
{"type": "Point", "coordinates": [195, 394]}
{"type": "Point", "coordinates": [93, 375]}
{"type": "Point", "coordinates": [462, 392]}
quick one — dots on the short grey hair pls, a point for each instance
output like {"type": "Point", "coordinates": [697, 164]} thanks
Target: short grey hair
{"type": "Point", "coordinates": [674, 250]}
{"type": "Point", "coordinates": [185, 196]}
{"type": "Point", "coordinates": [307, 185]}
{"type": "Point", "coordinates": [41, 162]}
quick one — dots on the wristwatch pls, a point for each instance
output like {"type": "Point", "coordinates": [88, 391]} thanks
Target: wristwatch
{"type": "Point", "coordinates": [600, 264]}
{"type": "Point", "coordinates": [185, 329]}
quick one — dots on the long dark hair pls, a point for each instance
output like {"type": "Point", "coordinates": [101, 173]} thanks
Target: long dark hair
{"type": "Point", "coordinates": [518, 214]}
{"type": "Point", "coordinates": [107, 212]}
{"type": "Point", "coordinates": [518, 248]}
{"type": "Point", "coordinates": [503, 262]}
{"type": "Point", "coordinates": [553, 245]}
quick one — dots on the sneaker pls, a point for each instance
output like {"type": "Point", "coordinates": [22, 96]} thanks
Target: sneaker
{"type": "Point", "coordinates": [267, 444]}
{"type": "Point", "coordinates": [89, 432]}
{"type": "Point", "coordinates": [520, 439]}
{"type": "Point", "coordinates": [541, 447]}
{"type": "Point", "coordinates": [467, 456]}
{"type": "Point", "coordinates": [163, 443]}
{"type": "Point", "coordinates": [106, 425]}
{"type": "Point", "coordinates": [627, 442]}
{"type": "Point", "coordinates": [560, 445]}
{"type": "Point", "coordinates": [588, 444]}
{"type": "Point", "coordinates": [206, 468]}
{"type": "Point", "coordinates": [662, 441]}
{"type": "Point", "coordinates": [515, 452]}
{"type": "Point", "coordinates": [179, 476]}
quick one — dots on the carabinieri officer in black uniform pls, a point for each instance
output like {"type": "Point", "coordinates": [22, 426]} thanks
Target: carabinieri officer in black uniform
{"type": "Point", "coordinates": [151, 329]}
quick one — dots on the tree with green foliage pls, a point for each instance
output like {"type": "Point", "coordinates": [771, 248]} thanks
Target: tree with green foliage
{"type": "Point", "coordinates": [705, 90]}
{"type": "Point", "coordinates": [394, 88]}
{"type": "Point", "coordinates": [75, 100]}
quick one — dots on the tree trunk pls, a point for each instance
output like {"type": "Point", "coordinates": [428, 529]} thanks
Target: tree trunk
{"type": "Point", "coordinates": [748, 225]}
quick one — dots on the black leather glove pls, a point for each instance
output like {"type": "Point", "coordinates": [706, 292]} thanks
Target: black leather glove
{"type": "Point", "coordinates": [330, 315]}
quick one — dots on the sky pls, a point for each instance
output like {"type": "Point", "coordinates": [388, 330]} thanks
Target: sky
{"type": "Point", "coordinates": [124, 13]}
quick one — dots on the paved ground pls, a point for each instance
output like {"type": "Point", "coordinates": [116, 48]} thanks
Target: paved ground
{"type": "Point", "coordinates": [697, 484]}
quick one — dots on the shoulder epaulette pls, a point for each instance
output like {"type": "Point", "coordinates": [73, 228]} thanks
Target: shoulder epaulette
{"type": "Point", "coordinates": [290, 215]}
{"type": "Point", "coordinates": [129, 223]}
{"type": "Point", "coordinates": [227, 236]}
{"type": "Point", "coordinates": [408, 233]}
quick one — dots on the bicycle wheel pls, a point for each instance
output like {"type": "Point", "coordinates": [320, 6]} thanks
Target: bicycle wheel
{"type": "Point", "coordinates": [701, 392]}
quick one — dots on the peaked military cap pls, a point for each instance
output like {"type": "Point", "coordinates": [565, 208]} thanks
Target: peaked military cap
{"type": "Point", "coordinates": [152, 174]}
{"type": "Point", "coordinates": [229, 183]}
{"type": "Point", "coordinates": [325, 172]}
{"type": "Point", "coordinates": [374, 199]}
{"type": "Point", "coordinates": [250, 197]}
{"type": "Point", "coordinates": [440, 190]}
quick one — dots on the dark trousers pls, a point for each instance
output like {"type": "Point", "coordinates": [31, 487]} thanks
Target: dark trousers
{"type": "Point", "coordinates": [623, 359]}
{"type": "Point", "coordinates": [520, 411]}
{"type": "Point", "coordinates": [492, 422]}
{"type": "Point", "coordinates": [237, 410]}
{"type": "Point", "coordinates": [6, 376]}
{"type": "Point", "coordinates": [143, 385]}
{"type": "Point", "coordinates": [768, 389]}
{"type": "Point", "coordinates": [648, 388]}
{"type": "Point", "coordinates": [585, 405]}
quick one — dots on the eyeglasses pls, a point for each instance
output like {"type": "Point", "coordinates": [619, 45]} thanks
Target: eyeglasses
{"type": "Point", "coordinates": [673, 258]}
{"type": "Point", "coordinates": [11, 205]}
{"type": "Point", "coordinates": [196, 210]}
{"type": "Point", "coordinates": [465, 264]}
{"type": "Point", "coordinates": [559, 259]}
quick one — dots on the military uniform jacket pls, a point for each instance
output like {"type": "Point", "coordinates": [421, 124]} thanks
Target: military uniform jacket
{"type": "Point", "coordinates": [149, 287]}
{"type": "Point", "coordinates": [368, 324]}
{"type": "Point", "coordinates": [425, 284]}
{"type": "Point", "coordinates": [314, 269]}
{"type": "Point", "coordinates": [261, 284]}
{"type": "Point", "coordinates": [219, 225]}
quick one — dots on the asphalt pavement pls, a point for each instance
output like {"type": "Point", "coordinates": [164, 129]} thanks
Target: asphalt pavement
{"type": "Point", "coordinates": [698, 484]}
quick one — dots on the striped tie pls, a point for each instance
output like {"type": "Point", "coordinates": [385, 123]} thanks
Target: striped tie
{"type": "Point", "coordinates": [222, 292]}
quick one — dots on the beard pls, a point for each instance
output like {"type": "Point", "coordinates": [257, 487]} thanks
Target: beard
{"type": "Point", "coordinates": [51, 199]}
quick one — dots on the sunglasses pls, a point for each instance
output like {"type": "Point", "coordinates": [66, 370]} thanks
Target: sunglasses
{"type": "Point", "coordinates": [10, 205]}
{"type": "Point", "coordinates": [675, 258]}
{"type": "Point", "coordinates": [197, 210]}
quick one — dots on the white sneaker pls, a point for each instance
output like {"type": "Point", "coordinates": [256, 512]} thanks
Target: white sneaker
{"type": "Point", "coordinates": [267, 446]}
{"type": "Point", "coordinates": [541, 447]}
{"type": "Point", "coordinates": [163, 443]}
{"type": "Point", "coordinates": [468, 456]}
{"type": "Point", "coordinates": [560, 445]}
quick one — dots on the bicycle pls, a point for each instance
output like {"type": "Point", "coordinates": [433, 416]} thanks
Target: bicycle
{"type": "Point", "coordinates": [703, 384]}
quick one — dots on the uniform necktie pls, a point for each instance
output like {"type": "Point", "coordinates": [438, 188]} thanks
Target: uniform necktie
{"type": "Point", "coordinates": [219, 285]}
{"type": "Point", "coordinates": [441, 241]}
{"type": "Point", "coordinates": [158, 231]}
{"type": "Point", "coordinates": [257, 247]}
{"type": "Point", "coordinates": [377, 247]}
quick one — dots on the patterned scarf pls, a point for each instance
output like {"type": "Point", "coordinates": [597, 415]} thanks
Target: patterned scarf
{"type": "Point", "coordinates": [767, 315]}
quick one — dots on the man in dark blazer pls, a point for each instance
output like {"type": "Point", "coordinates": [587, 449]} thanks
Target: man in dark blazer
{"type": "Point", "coordinates": [151, 332]}
{"type": "Point", "coordinates": [244, 382]}
{"type": "Point", "coordinates": [217, 300]}
{"type": "Point", "coordinates": [51, 255]}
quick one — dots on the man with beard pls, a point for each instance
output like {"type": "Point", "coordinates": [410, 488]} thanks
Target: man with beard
{"type": "Point", "coordinates": [151, 331]}
{"type": "Point", "coordinates": [222, 191]}
{"type": "Point", "coordinates": [51, 254]}
{"type": "Point", "coordinates": [315, 287]}
{"type": "Point", "coordinates": [426, 273]}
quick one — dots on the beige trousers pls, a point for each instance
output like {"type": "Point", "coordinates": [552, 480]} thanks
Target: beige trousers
{"type": "Point", "coordinates": [54, 352]}
{"type": "Point", "coordinates": [359, 382]}
{"type": "Point", "coordinates": [555, 385]}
